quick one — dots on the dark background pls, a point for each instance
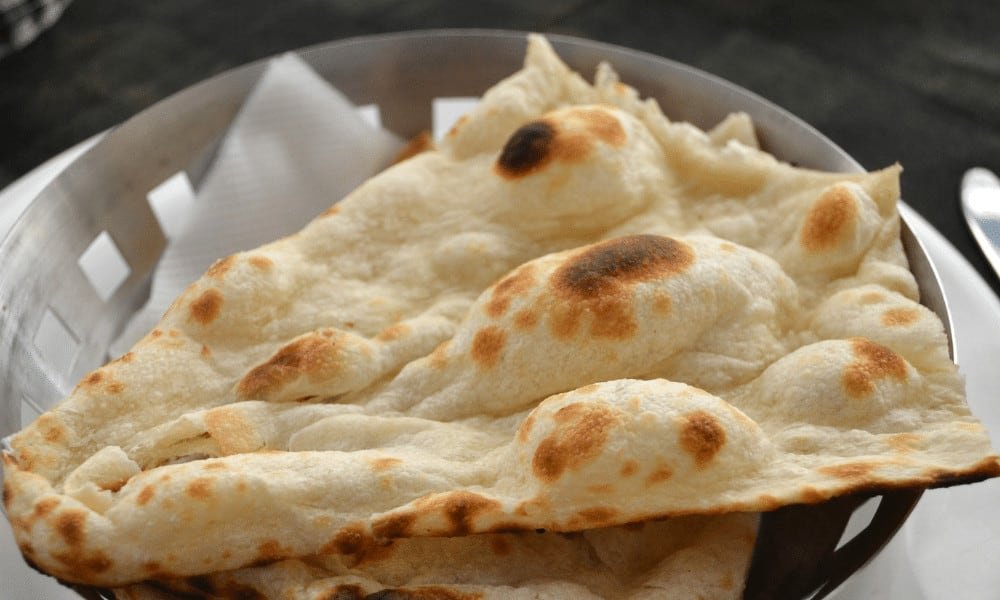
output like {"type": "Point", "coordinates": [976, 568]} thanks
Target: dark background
{"type": "Point", "coordinates": [889, 81]}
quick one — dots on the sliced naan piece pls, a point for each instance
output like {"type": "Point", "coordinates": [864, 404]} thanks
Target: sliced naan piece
{"type": "Point", "coordinates": [573, 314]}
{"type": "Point", "coordinates": [682, 558]}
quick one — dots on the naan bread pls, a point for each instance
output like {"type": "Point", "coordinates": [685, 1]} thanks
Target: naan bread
{"type": "Point", "coordinates": [681, 558]}
{"type": "Point", "coordinates": [573, 314]}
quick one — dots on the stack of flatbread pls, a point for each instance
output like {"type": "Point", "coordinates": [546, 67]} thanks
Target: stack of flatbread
{"type": "Point", "coordinates": [568, 353]}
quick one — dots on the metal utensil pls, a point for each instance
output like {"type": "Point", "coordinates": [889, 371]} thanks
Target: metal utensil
{"type": "Point", "coordinates": [105, 191]}
{"type": "Point", "coordinates": [981, 206]}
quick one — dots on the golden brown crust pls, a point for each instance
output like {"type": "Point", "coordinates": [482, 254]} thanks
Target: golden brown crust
{"type": "Point", "coordinates": [315, 355]}
{"type": "Point", "coordinates": [422, 142]}
{"type": "Point", "coordinates": [488, 345]}
{"type": "Point", "coordinates": [508, 288]}
{"type": "Point", "coordinates": [702, 437]}
{"type": "Point", "coordinates": [596, 284]}
{"type": "Point", "coordinates": [581, 434]}
{"type": "Point", "coordinates": [206, 308]}
{"type": "Point", "coordinates": [873, 362]}
{"type": "Point", "coordinates": [828, 220]}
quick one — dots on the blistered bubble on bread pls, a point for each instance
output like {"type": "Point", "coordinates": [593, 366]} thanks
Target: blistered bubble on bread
{"type": "Point", "coordinates": [571, 315]}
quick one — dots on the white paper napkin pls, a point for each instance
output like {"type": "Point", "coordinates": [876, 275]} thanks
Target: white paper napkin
{"type": "Point", "coordinates": [296, 147]}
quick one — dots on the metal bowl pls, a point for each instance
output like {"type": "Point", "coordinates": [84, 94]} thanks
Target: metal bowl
{"type": "Point", "coordinates": [105, 191]}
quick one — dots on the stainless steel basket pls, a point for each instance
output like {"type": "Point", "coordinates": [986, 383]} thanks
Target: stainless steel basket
{"type": "Point", "coordinates": [104, 193]}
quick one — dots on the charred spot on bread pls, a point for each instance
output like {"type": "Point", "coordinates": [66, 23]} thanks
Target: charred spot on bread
{"type": "Point", "coordinates": [527, 150]}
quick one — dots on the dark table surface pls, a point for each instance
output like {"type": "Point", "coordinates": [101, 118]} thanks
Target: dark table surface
{"type": "Point", "coordinates": [889, 81]}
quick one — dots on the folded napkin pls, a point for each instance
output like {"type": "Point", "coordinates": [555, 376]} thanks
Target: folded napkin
{"type": "Point", "coordinates": [296, 147]}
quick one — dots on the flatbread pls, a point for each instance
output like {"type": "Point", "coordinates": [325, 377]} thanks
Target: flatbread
{"type": "Point", "coordinates": [573, 314]}
{"type": "Point", "coordinates": [682, 558]}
